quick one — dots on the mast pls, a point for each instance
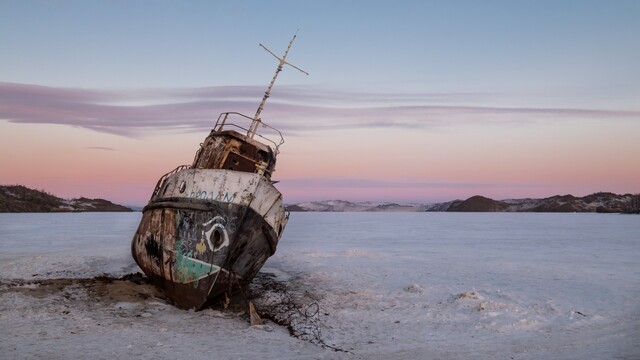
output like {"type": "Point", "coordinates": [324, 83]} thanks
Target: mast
{"type": "Point", "coordinates": [256, 119]}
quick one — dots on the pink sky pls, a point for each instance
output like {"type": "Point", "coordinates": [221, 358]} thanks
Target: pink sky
{"type": "Point", "coordinates": [115, 145]}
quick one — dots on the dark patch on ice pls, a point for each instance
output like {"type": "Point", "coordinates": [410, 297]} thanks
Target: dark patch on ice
{"type": "Point", "coordinates": [285, 303]}
{"type": "Point", "coordinates": [100, 289]}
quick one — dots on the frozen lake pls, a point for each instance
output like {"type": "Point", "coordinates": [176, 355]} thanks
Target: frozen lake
{"type": "Point", "coordinates": [380, 285]}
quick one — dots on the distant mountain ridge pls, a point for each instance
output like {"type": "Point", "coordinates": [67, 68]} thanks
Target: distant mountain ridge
{"type": "Point", "coordinates": [602, 202]}
{"type": "Point", "coordinates": [18, 198]}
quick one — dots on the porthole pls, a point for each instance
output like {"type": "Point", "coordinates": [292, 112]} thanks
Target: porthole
{"type": "Point", "coordinates": [217, 238]}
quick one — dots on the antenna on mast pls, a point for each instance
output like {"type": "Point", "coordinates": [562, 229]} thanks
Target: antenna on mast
{"type": "Point", "coordinates": [256, 118]}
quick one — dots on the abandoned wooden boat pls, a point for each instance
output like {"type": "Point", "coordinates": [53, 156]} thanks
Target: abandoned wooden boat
{"type": "Point", "coordinates": [210, 226]}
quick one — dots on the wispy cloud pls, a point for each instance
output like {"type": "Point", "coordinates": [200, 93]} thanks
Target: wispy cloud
{"type": "Point", "coordinates": [100, 148]}
{"type": "Point", "coordinates": [296, 109]}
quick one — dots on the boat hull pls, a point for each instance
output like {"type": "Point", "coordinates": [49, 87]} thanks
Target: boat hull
{"type": "Point", "coordinates": [206, 231]}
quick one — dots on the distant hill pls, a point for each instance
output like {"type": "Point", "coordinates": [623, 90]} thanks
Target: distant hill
{"type": "Point", "coordinates": [347, 206]}
{"type": "Point", "coordinates": [18, 198]}
{"type": "Point", "coordinates": [478, 204]}
{"type": "Point", "coordinates": [603, 202]}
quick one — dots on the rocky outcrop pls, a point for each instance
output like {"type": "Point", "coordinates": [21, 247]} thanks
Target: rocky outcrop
{"type": "Point", "coordinates": [18, 198]}
{"type": "Point", "coordinates": [603, 202]}
{"type": "Point", "coordinates": [478, 204]}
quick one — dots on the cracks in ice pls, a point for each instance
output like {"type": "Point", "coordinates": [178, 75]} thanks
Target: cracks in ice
{"type": "Point", "coordinates": [298, 310]}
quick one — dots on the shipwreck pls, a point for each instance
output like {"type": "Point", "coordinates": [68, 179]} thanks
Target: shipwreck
{"type": "Point", "coordinates": [210, 226]}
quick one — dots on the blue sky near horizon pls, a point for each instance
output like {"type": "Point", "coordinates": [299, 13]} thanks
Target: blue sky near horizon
{"type": "Point", "coordinates": [521, 98]}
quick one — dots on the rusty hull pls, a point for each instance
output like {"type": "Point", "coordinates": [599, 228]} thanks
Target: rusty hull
{"type": "Point", "coordinates": [205, 231]}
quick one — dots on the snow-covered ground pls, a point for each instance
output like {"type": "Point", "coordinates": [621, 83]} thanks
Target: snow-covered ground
{"type": "Point", "coordinates": [350, 285]}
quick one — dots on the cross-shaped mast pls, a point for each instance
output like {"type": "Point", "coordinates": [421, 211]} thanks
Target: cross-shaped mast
{"type": "Point", "coordinates": [256, 119]}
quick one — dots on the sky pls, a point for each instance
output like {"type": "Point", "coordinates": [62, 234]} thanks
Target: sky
{"type": "Point", "coordinates": [405, 101]}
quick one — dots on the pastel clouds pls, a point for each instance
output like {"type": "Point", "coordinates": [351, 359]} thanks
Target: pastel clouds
{"type": "Point", "coordinates": [296, 109]}
{"type": "Point", "coordinates": [351, 145]}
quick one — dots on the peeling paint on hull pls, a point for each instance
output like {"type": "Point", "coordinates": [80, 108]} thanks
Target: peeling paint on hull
{"type": "Point", "coordinates": [196, 247]}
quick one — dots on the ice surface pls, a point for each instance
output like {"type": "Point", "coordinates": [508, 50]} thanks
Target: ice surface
{"type": "Point", "coordinates": [369, 285]}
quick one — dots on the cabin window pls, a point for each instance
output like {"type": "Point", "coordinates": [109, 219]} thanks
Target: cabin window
{"type": "Point", "coordinates": [236, 162]}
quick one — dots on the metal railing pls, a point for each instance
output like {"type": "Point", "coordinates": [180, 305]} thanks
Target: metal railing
{"type": "Point", "coordinates": [165, 176]}
{"type": "Point", "coordinates": [221, 123]}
